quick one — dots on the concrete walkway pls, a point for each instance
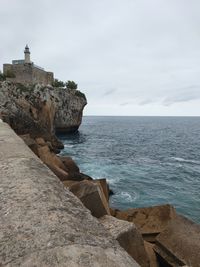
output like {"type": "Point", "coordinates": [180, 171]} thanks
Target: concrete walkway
{"type": "Point", "coordinates": [41, 222]}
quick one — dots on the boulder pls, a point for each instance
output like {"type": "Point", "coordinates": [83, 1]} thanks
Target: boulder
{"type": "Point", "coordinates": [40, 141]}
{"type": "Point", "coordinates": [179, 243]}
{"type": "Point", "coordinates": [49, 157]}
{"type": "Point", "coordinates": [91, 196]}
{"type": "Point", "coordinates": [68, 183]}
{"type": "Point", "coordinates": [128, 237]}
{"type": "Point", "coordinates": [151, 254]}
{"type": "Point", "coordinates": [73, 170]}
{"type": "Point", "coordinates": [77, 176]}
{"type": "Point", "coordinates": [28, 140]}
{"type": "Point", "coordinates": [150, 221]}
{"type": "Point", "coordinates": [60, 173]}
{"type": "Point", "coordinates": [70, 164]}
{"type": "Point", "coordinates": [85, 176]}
{"type": "Point", "coordinates": [104, 185]}
{"type": "Point", "coordinates": [52, 161]}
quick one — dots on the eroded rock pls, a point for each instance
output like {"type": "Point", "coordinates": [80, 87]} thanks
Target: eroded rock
{"type": "Point", "coordinates": [39, 110]}
{"type": "Point", "coordinates": [128, 237]}
{"type": "Point", "coordinates": [92, 196]}
{"type": "Point", "coordinates": [179, 243]}
{"type": "Point", "coordinates": [150, 221]}
{"type": "Point", "coordinates": [151, 254]}
{"type": "Point", "coordinates": [104, 185]}
{"type": "Point", "coordinates": [70, 164]}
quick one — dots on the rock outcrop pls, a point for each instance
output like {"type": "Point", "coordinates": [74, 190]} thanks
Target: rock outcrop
{"type": "Point", "coordinates": [40, 111]}
{"type": "Point", "coordinates": [69, 110]}
{"type": "Point", "coordinates": [43, 223]}
{"type": "Point", "coordinates": [91, 195]}
{"type": "Point", "coordinates": [150, 220]}
{"type": "Point", "coordinates": [179, 243]}
{"type": "Point", "coordinates": [128, 237]}
{"type": "Point", "coordinates": [149, 247]}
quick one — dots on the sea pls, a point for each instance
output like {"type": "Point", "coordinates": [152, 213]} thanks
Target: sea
{"type": "Point", "coordinates": [146, 160]}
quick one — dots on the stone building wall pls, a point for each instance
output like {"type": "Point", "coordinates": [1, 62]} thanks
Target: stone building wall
{"type": "Point", "coordinates": [27, 74]}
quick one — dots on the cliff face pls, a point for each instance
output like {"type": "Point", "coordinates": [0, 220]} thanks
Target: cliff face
{"type": "Point", "coordinates": [69, 109]}
{"type": "Point", "coordinates": [41, 110]}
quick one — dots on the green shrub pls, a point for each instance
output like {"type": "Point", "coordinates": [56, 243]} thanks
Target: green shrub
{"type": "Point", "coordinates": [80, 94]}
{"type": "Point", "coordinates": [58, 83]}
{"type": "Point", "coordinates": [2, 76]}
{"type": "Point", "coordinates": [71, 85]}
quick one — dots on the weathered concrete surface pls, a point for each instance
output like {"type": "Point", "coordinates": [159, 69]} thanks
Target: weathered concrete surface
{"type": "Point", "coordinates": [41, 222]}
{"type": "Point", "coordinates": [128, 237]}
{"type": "Point", "coordinates": [179, 243]}
{"type": "Point", "coordinates": [150, 221]}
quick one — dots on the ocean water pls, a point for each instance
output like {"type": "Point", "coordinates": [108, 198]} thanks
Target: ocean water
{"type": "Point", "coordinates": [146, 160]}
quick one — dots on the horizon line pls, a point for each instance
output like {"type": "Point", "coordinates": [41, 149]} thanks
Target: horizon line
{"type": "Point", "coordinates": [183, 116]}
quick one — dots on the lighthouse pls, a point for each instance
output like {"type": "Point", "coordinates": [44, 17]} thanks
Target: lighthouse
{"type": "Point", "coordinates": [27, 55]}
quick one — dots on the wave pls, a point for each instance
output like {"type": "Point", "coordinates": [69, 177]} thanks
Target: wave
{"type": "Point", "coordinates": [67, 145]}
{"type": "Point", "coordinates": [186, 160]}
{"type": "Point", "coordinates": [127, 197]}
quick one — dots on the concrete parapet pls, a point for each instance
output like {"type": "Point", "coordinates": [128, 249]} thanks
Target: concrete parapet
{"type": "Point", "coordinates": [42, 223]}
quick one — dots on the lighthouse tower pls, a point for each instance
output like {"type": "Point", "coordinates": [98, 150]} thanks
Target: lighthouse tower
{"type": "Point", "coordinates": [27, 53]}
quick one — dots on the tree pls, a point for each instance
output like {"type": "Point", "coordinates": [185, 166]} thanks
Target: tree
{"type": "Point", "coordinates": [58, 83]}
{"type": "Point", "coordinates": [71, 85]}
{"type": "Point", "coordinates": [2, 76]}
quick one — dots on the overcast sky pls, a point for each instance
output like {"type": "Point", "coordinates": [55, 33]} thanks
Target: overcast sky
{"type": "Point", "coordinates": [130, 57]}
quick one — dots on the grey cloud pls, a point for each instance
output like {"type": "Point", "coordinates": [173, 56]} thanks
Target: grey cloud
{"type": "Point", "coordinates": [184, 94]}
{"type": "Point", "coordinates": [146, 101]}
{"type": "Point", "coordinates": [147, 49]}
{"type": "Point", "coordinates": [109, 92]}
{"type": "Point", "coordinates": [126, 103]}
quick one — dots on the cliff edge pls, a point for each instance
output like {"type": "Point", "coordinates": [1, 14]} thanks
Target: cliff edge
{"type": "Point", "coordinates": [41, 110]}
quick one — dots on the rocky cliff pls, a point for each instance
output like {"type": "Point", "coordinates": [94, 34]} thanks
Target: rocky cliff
{"type": "Point", "coordinates": [41, 110]}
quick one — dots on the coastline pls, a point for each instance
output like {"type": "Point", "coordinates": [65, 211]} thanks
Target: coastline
{"type": "Point", "coordinates": [147, 234]}
{"type": "Point", "coordinates": [154, 226]}
{"type": "Point", "coordinates": [147, 162]}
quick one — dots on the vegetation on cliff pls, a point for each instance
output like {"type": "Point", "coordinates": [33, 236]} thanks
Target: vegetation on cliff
{"type": "Point", "coordinates": [68, 84]}
{"type": "Point", "coordinates": [41, 110]}
{"type": "Point", "coordinates": [71, 85]}
{"type": "Point", "coordinates": [2, 76]}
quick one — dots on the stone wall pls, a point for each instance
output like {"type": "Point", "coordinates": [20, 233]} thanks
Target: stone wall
{"type": "Point", "coordinates": [28, 74]}
{"type": "Point", "coordinates": [42, 223]}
